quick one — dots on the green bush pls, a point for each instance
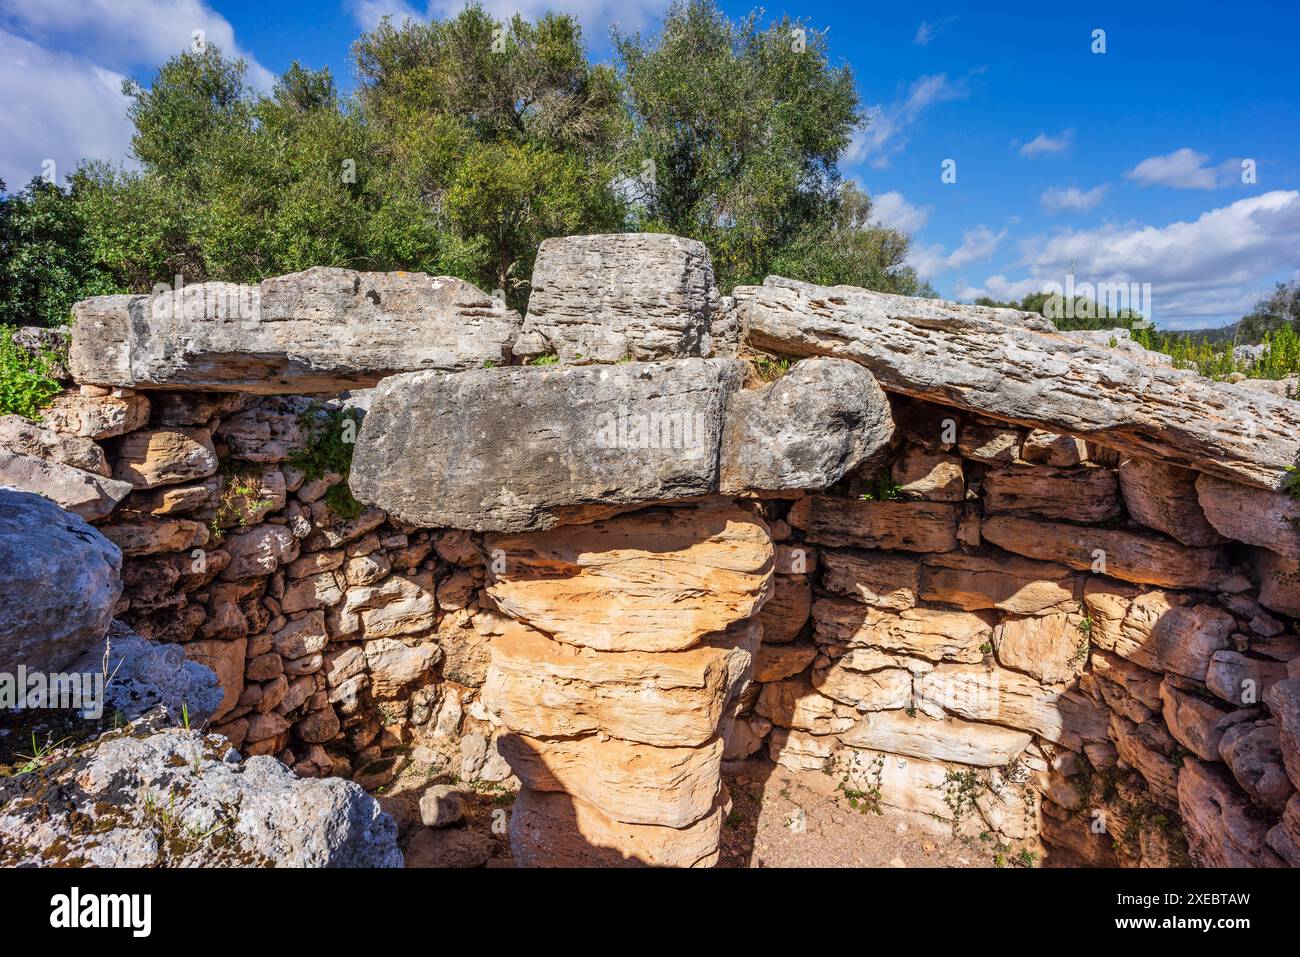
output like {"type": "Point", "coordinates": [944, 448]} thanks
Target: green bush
{"type": "Point", "coordinates": [27, 382]}
{"type": "Point", "coordinates": [330, 443]}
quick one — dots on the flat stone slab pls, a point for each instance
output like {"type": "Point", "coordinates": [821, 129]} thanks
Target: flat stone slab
{"type": "Point", "coordinates": [322, 330]}
{"type": "Point", "coordinates": [525, 448]}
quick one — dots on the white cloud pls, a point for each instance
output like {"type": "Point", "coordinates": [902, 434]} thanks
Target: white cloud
{"type": "Point", "coordinates": [1185, 169]}
{"type": "Point", "coordinates": [928, 31]}
{"type": "Point", "coordinates": [596, 16]}
{"type": "Point", "coordinates": [1044, 145]}
{"type": "Point", "coordinates": [977, 244]}
{"type": "Point", "coordinates": [893, 211]}
{"type": "Point", "coordinates": [58, 107]}
{"type": "Point", "coordinates": [1059, 199]}
{"type": "Point", "coordinates": [122, 34]}
{"type": "Point", "coordinates": [1209, 268]}
{"type": "Point", "coordinates": [886, 133]}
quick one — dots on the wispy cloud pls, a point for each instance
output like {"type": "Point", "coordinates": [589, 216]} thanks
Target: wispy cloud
{"type": "Point", "coordinates": [893, 211]}
{"type": "Point", "coordinates": [1212, 266]}
{"type": "Point", "coordinates": [1044, 145]}
{"type": "Point", "coordinates": [928, 31]}
{"type": "Point", "coordinates": [977, 244]}
{"type": "Point", "coordinates": [888, 129]}
{"type": "Point", "coordinates": [1185, 169]}
{"type": "Point", "coordinates": [1070, 198]}
{"type": "Point", "coordinates": [596, 16]}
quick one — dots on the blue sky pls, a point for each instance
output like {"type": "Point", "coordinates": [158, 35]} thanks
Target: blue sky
{"type": "Point", "coordinates": [1124, 166]}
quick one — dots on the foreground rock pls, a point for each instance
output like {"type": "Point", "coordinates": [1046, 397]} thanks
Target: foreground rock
{"type": "Point", "coordinates": [523, 449]}
{"type": "Point", "coordinates": [58, 586]}
{"type": "Point", "coordinates": [642, 296]}
{"type": "Point", "coordinates": [1004, 364]}
{"type": "Point", "coordinates": [182, 799]}
{"type": "Point", "coordinates": [322, 330]}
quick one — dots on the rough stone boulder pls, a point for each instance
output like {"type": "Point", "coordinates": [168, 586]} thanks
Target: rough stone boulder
{"type": "Point", "coordinates": [1012, 366]}
{"type": "Point", "coordinates": [1223, 828]}
{"type": "Point", "coordinates": [322, 330]}
{"type": "Point", "coordinates": [639, 296]}
{"type": "Point", "coordinates": [526, 448]}
{"type": "Point", "coordinates": [178, 798]}
{"type": "Point", "coordinates": [58, 585]}
{"type": "Point", "coordinates": [806, 430]}
{"type": "Point", "coordinates": [1252, 515]}
{"type": "Point", "coordinates": [1164, 497]}
{"type": "Point", "coordinates": [653, 581]}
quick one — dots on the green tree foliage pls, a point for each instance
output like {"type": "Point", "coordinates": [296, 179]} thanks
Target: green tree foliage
{"type": "Point", "coordinates": [45, 262]}
{"type": "Point", "coordinates": [467, 142]}
{"type": "Point", "coordinates": [737, 130]}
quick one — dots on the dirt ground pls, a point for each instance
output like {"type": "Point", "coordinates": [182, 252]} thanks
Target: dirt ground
{"type": "Point", "coordinates": [779, 818]}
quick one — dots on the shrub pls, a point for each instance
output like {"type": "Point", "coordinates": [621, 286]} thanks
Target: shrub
{"type": "Point", "coordinates": [27, 382]}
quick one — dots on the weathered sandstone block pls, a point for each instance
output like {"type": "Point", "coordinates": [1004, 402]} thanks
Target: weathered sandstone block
{"type": "Point", "coordinates": [1049, 448]}
{"type": "Point", "coordinates": [24, 437]}
{"type": "Point", "coordinates": [1161, 631]}
{"type": "Point", "coordinates": [84, 494]}
{"type": "Point", "coordinates": [1279, 581]}
{"type": "Point", "coordinates": [1284, 838]}
{"type": "Point", "coordinates": [787, 609]}
{"type": "Point", "coordinates": [553, 829]}
{"type": "Point", "coordinates": [547, 689]}
{"type": "Point", "coordinates": [524, 449]}
{"type": "Point", "coordinates": [58, 587]}
{"type": "Point", "coordinates": [1149, 749]}
{"type": "Point", "coordinates": [946, 739]}
{"type": "Point", "coordinates": [632, 783]}
{"type": "Point", "coordinates": [931, 633]}
{"type": "Point", "coordinates": [654, 581]}
{"type": "Point", "coordinates": [153, 457]}
{"type": "Point", "coordinates": [983, 693]}
{"type": "Point", "coordinates": [883, 690]}
{"type": "Point", "coordinates": [1283, 700]}
{"type": "Point", "coordinates": [806, 430]}
{"type": "Point", "coordinates": [226, 659]}
{"type": "Point", "coordinates": [1253, 753]}
{"type": "Point", "coordinates": [1163, 496]}
{"type": "Point", "coordinates": [97, 417]}
{"type": "Point", "coordinates": [642, 296]}
{"type": "Point", "coordinates": [795, 703]}
{"type": "Point", "coordinates": [778, 662]}
{"type": "Point", "coordinates": [995, 579]}
{"type": "Point", "coordinates": [1053, 648]}
{"type": "Point", "coordinates": [1242, 680]}
{"type": "Point", "coordinates": [1131, 556]}
{"type": "Point", "coordinates": [322, 330]}
{"type": "Point", "coordinates": [1197, 723]}
{"type": "Point", "coordinates": [905, 526]}
{"type": "Point", "coordinates": [137, 534]}
{"type": "Point", "coordinates": [881, 579]}
{"type": "Point", "coordinates": [1252, 515]}
{"type": "Point", "coordinates": [933, 476]}
{"type": "Point", "coordinates": [1011, 366]}
{"type": "Point", "coordinates": [1223, 828]}
{"type": "Point", "coordinates": [1075, 495]}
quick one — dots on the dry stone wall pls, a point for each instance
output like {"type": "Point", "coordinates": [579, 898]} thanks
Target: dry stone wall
{"type": "Point", "coordinates": [1041, 591]}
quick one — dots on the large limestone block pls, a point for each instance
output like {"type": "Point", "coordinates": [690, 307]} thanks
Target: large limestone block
{"type": "Point", "coordinates": [881, 579]}
{"type": "Point", "coordinates": [806, 430]}
{"type": "Point", "coordinates": [153, 457]}
{"type": "Point", "coordinates": [85, 494]}
{"type": "Point", "coordinates": [988, 693]}
{"type": "Point", "coordinates": [552, 829]}
{"type": "Point", "coordinates": [58, 583]}
{"type": "Point", "coordinates": [322, 330]}
{"type": "Point", "coordinates": [1052, 648]}
{"type": "Point", "coordinates": [547, 689]}
{"type": "Point", "coordinates": [1131, 556]}
{"type": "Point", "coordinates": [641, 296]}
{"type": "Point", "coordinates": [654, 581]}
{"type": "Point", "coordinates": [1252, 515]}
{"type": "Point", "coordinates": [1161, 631]}
{"type": "Point", "coordinates": [1075, 495]}
{"type": "Point", "coordinates": [946, 739]}
{"type": "Point", "coordinates": [931, 633]}
{"type": "Point", "coordinates": [1013, 366]}
{"type": "Point", "coordinates": [526, 448]}
{"type": "Point", "coordinates": [996, 579]}
{"type": "Point", "coordinates": [1163, 496]}
{"type": "Point", "coordinates": [632, 783]}
{"type": "Point", "coordinates": [1223, 828]}
{"type": "Point", "coordinates": [852, 523]}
